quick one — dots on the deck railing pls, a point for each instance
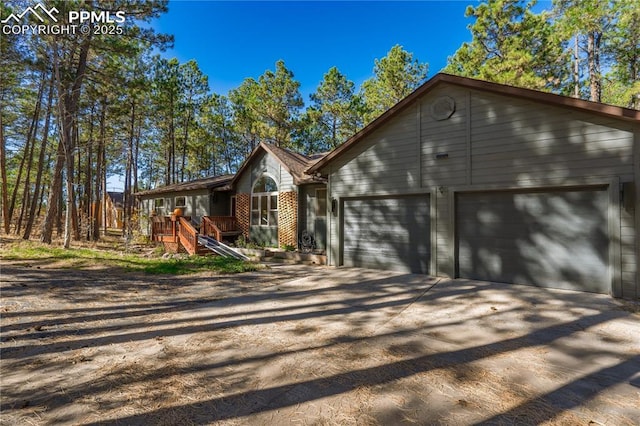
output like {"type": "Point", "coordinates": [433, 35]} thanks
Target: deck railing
{"type": "Point", "coordinates": [161, 225]}
{"type": "Point", "coordinates": [219, 226]}
{"type": "Point", "coordinates": [188, 235]}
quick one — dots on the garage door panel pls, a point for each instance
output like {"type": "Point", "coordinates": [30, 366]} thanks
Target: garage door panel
{"type": "Point", "coordinates": [387, 233]}
{"type": "Point", "coordinates": [553, 239]}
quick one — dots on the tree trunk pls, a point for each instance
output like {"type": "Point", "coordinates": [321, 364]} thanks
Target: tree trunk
{"type": "Point", "coordinates": [31, 135]}
{"type": "Point", "coordinates": [53, 200]}
{"type": "Point", "coordinates": [184, 145]}
{"type": "Point", "coordinates": [593, 58]}
{"type": "Point", "coordinates": [27, 178]}
{"type": "Point", "coordinates": [172, 136]}
{"type": "Point", "coordinates": [576, 69]}
{"type": "Point", "coordinates": [129, 170]}
{"type": "Point", "coordinates": [59, 229]}
{"type": "Point", "coordinates": [41, 165]}
{"type": "Point", "coordinates": [3, 173]}
{"type": "Point", "coordinates": [68, 106]}
{"type": "Point", "coordinates": [99, 166]}
{"type": "Point", "coordinates": [88, 179]}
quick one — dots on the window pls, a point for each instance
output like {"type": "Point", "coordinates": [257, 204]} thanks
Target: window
{"type": "Point", "coordinates": [264, 202]}
{"type": "Point", "coordinates": [158, 205]}
{"type": "Point", "coordinates": [233, 205]}
{"type": "Point", "coordinates": [181, 202]}
{"type": "Point", "coordinates": [321, 202]}
{"type": "Point", "coordinates": [265, 184]}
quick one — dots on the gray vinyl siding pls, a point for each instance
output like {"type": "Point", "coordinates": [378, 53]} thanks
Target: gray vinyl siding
{"type": "Point", "coordinates": [286, 181]}
{"type": "Point", "coordinates": [261, 164]}
{"type": "Point", "coordinates": [243, 186]}
{"type": "Point", "coordinates": [446, 136]}
{"type": "Point", "coordinates": [265, 163]}
{"type": "Point", "coordinates": [492, 142]}
{"type": "Point", "coordinates": [628, 252]}
{"type": "Point", "coordinates": [443, 258]}
{"type": "Point", "coordinates": [197, 203]}
{"type": "Point", "coordinates": [307, 219]}
{"type": "Point", "coordinates": [220, 204]}
{"type": "Point", "coordinates": [544, 144]}
{"type": "Point", "coordinates": [385, 161]}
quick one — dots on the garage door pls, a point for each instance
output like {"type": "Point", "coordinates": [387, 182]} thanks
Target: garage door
{"type": "Point", "coordinates": [556, 239]}
{"type": "Point", "coordinates": [387, 233]}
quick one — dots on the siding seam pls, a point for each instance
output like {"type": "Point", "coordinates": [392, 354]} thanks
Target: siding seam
{"type": "Point", "coordinates": [636, 206]}
{"type": "Point", "coordinates": [615, 261]}
{"type": "Point", "coordinates": [419, 139]}
{"type": "Point", "coordinates": [468, 138]}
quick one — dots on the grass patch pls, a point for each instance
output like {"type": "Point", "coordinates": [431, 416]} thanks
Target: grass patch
{"type": "Point", "coordinates": [79, 258]}
{"type": "Point", "coordinates": [197, 264]}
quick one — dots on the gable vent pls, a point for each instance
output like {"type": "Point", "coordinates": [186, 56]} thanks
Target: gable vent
{"type": "Point", "coordinates": [443, 108]}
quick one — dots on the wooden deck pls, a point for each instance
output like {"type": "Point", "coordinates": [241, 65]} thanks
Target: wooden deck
{"type": "Point", "coordinates": [177, 232]}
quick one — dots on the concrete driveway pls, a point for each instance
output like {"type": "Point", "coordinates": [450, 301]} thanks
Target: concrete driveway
{"type": "Point", "coordinates": [317, 345]}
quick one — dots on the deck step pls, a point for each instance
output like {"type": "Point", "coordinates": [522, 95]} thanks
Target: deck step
{"type": "Point", "coordinates": [219, 248]}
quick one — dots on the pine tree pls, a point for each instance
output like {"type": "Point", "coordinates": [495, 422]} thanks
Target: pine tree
{"type": "Point", "coordinates": [511, 45]}
{"type": "Point", "coordinates": [394, 77]}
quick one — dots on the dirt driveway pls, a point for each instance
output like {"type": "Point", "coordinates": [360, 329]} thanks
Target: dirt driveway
{"type": "Point", "coordinates": [310, 345]}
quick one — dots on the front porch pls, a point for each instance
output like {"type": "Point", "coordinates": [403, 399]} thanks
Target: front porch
{"type": "Point", "coordinates": [180, 234]}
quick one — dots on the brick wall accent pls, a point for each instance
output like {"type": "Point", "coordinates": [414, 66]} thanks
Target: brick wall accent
{"type": "Point", "coordinates": [288, 219]}
{"type": "Point", "coordinates": [243, 213]}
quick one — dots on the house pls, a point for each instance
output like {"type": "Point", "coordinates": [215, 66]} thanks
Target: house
{"type": "Point", "coordinates": [270, 200]}
{"type": "Point", "coordinates": [470, 179]}
{"type": "Point", "coordinates": [109, 212]}
{"type": "Point", "coordinates": [114, 210]}
{"type": "Point", "coordinates": [276, 201]}
{"type": "Point", "coordinates": [196, 199]}
{"type": "Point", "coordinates": [463, 178]}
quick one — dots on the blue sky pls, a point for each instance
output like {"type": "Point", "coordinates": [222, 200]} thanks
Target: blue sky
{"type": "Point", "coordinates": [234, 40]}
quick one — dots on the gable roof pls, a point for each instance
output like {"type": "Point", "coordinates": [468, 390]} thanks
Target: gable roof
{"type": "Point", "coordinates": [293, 162]}
{"type": "Point", "coordinates": [204, 183]}
{"type": "Point", "coordinates": [486, 86]}
{"type": "Point", "coordinates": [117, 198]}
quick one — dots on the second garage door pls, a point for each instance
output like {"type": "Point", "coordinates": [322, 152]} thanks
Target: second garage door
{"type": "Point", "coordinates": [551, 238]}
{"type": "Point", "coordinates": [387, 233]}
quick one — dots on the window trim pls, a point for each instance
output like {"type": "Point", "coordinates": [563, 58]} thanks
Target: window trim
{"type": "Point", "coordinates": [318, 211]}
{"type": "Point", "coordinates": [233, 205]}
{"type": "Point", "coordinates": [256, 204]}
{"type": "Point", "coordinates": [159, 205]}
{"type": "Point", "coordinates": [179, 206]}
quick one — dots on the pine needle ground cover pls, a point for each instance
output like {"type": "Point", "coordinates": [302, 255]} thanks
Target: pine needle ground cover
{"type": "Point", "coordinates": [308, 345]}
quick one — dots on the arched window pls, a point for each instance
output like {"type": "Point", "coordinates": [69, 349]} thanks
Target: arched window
{"type": "Point", "coordinates": [265, 184]}
{"type": "Point", "coordinates": [264, 202]}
